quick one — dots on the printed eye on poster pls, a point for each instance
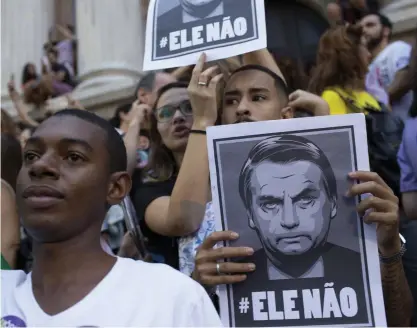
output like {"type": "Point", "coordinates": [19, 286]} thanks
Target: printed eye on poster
{"type": "Point", "coordinates": [178, 31]}
{"type": "Point", "coordinates": [281, 186]}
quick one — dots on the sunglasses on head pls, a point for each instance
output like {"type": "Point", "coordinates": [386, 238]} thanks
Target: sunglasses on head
{"type": "Point", "coordinates": [165, 113]}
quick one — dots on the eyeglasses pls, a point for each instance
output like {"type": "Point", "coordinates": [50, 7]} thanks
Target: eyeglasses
{"type": "Point", "coordinates": [165, 114]}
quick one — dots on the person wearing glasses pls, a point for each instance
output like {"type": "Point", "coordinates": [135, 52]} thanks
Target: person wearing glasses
{"type": "Point", "coordinates": [171, 122]}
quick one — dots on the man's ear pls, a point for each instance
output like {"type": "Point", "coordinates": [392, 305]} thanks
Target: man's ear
{"type": "Point", "coordinates": [287, 112]}
{"type": "Point", "coordinates": [333, 211]}
{"type": "Point", "coordinates": [119, 187]}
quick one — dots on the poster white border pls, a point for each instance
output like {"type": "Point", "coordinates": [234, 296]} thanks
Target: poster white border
{"type": "Point", "coordinates": [214, 53]}
{"type": "Point", "coordinates": [357, 122]}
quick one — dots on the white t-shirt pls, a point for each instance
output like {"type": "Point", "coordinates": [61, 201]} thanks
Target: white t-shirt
{"type": "Point", "coordinates": [133, 294]}
{"type": "Point", "coordinates": [382, 70]}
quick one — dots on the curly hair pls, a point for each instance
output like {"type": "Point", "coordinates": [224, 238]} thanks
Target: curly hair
{"type": "Point", "coordinates": [339, 61]}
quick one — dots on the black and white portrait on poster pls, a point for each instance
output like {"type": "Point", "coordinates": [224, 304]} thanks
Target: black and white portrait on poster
{"type": "Point", "coordinates": [177, 31]}
{"type": "Point", "coordinates": [284, 193]}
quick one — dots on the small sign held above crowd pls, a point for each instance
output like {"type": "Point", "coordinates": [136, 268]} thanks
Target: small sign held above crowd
{"type": "Point", "coordinates": [177, 31]}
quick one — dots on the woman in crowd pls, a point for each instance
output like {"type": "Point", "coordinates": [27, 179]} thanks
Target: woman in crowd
{"type": "Point", "coordinates": [339, 76]}
{"type": "Point", "coordinates": [175, 142]}
{"type": "Point", "coordinates": [171, 124]}
{"type": "Point", "coordinates": [11, 161]}
{"type": "Point", "coordinates": [36, 89]}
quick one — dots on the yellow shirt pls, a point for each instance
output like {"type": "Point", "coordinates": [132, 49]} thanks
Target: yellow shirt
{"type": "Point", "coordinates": [361, 100]}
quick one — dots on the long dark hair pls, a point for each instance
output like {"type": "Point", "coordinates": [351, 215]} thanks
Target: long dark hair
{"type": "Point", "coordinates": [26, 75]}
{"type": "Point", "coordinates": [161, 165]}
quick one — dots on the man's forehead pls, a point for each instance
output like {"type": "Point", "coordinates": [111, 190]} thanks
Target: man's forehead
{"type": "Point", "coordinates": [66, 126]}
{"type": "Point", "coordinates": [249, 79]}
{"type": "Point", "coordinates": [370, 19]}
{"type": "Point", "coordinates": [173, 96]}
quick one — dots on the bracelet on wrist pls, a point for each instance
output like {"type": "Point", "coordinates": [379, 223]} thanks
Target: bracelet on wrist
{"type": "Point", "coordinates": [393, 258]}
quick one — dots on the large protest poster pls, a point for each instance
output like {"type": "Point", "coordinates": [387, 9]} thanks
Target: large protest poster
{"type": "Point", "coordinates": [178, 31]}
{"type": "Point", "coordinates": [281, 185]}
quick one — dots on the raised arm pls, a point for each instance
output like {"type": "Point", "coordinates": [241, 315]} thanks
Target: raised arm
{"type": "Point", "coordinates": [136, 116]}
{"type": "Point", "coordinates": [185, 211]}
{"type": "Point", "coordinates": [384, 213]}
{"type": "Point", "coordinates": [21, 108]}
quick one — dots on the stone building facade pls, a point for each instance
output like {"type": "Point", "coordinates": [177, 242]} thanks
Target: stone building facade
{"type": "Point", "coordinates": [111, 40]}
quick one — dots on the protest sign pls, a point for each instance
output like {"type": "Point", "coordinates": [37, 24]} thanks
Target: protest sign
{"type": "Point", "coordinates": [177, 31]}
{"type": "Point", "coordinates": [281, 185]}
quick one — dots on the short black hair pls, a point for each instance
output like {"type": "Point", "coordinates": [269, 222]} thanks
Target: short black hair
{"type": "Point", "coordinates": [114, 143]}
{"type": "Point", "coordinates": [11, 159]}
{"type": "Point", "coordinates": [286, 149]}
{"type": "Point", "coordinates": [147, 82]}
{"type": "Point", "coordinates": [279, 82]}
{"type": "Point", "coordinates": [385, 21]}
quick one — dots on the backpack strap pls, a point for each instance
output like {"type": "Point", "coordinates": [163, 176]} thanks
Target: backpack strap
{"type": "Point", "coordinates": [351, 104]}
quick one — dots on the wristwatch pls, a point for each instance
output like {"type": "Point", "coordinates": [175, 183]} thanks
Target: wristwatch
{"type": "Point", "coordinates": [396, 257]}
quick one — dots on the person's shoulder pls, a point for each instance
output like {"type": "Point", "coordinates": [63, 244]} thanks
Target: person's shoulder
{"type": "Point", "coordinates": [149, 183]}
{"type": "Point", "coordinates": [329, 93]}
{"type": "Point", "coordinates": [11, 279]}
{"type": "Point", "coordinates": [399, 46]}
{"type": "Point", "coordinates": [163, 278]}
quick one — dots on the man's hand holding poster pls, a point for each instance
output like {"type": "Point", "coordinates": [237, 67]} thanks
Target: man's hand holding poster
{"type": "Point", "coordinates": [178, 31]}
{"type": "Point", "coordinates": [283, 190]}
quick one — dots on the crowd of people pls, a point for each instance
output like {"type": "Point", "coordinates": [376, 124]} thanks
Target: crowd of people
{"type": "Point", "coordinates": [77, 168]}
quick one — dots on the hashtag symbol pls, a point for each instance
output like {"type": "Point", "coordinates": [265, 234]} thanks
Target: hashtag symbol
{"type": "Point", "coordinates": [244, 305]}
{"type": "Point", "coordinates": [163, 43]}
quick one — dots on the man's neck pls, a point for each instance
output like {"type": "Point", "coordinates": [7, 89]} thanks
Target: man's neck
{"type": "Point", "coordinates": [379, 48]}
{"type": "Point", "coordinates": [57, 264]}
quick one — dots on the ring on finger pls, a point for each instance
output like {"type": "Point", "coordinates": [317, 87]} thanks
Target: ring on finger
{"type": "Point", "coordinates": [202, 83]}
{"type": "Point", "coordinates": [218, 268]}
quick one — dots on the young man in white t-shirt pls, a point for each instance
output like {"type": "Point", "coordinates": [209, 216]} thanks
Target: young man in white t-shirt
{"type": "Point", "coordinates": [384, 79]}
{"type": "Point", "coordinates": [74, 169]}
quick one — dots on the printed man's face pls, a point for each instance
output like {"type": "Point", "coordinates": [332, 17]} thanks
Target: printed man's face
{"type": "Point", "coordinates": [291, 211]}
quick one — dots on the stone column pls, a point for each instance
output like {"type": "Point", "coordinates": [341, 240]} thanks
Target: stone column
{"type": "Point", "coordinates": [110, 37]}
{"type": "Point", "coordinates": [24, 30]}
{"type": "Point", "coordinates": [403, 15]}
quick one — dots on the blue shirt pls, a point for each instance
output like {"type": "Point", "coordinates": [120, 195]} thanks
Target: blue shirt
{"type": "Point", "coordinates": [407, 157]}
